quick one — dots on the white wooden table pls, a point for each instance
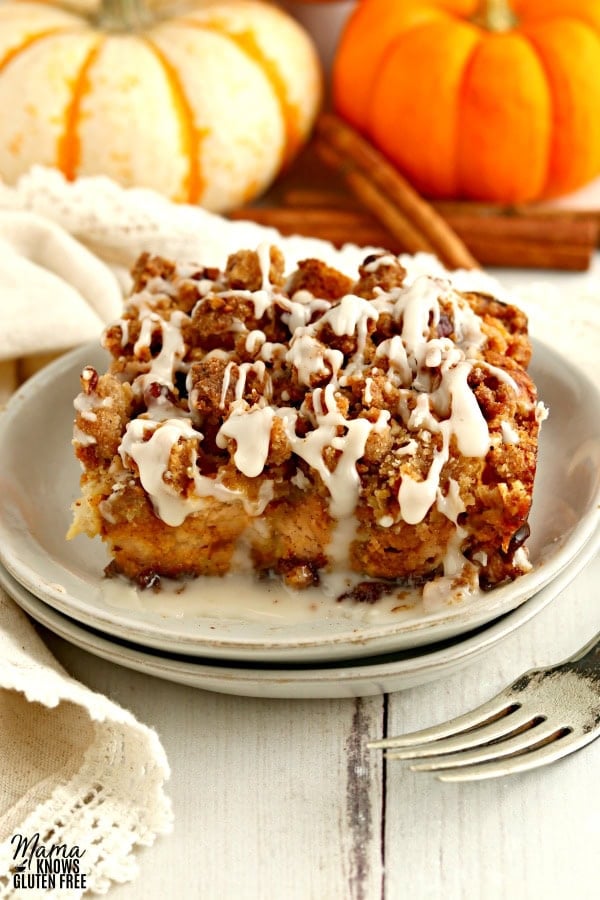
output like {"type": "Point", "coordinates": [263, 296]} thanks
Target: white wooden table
{"type": "Point", "coordinates": [281, 800]}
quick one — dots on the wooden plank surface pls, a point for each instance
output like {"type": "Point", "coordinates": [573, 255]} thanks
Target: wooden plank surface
{"type": "Point", "coordinates": [526, 837]}
{"type": "Point", "coordinates": [273, 799]}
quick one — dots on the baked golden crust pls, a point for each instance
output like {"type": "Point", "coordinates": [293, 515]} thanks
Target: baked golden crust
{"type": "Point", "coordinates": [302, 424]}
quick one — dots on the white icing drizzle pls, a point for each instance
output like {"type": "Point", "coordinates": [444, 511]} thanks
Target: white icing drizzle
{"type": "Point", "coordinates": [300, 309]}
{"type": "Point", "coordinates": [350, 316]}
{"type": "Point", "coordinates": [124, 326]}
{"type": "Point", "coordinates": [386, 521]}
{"type": "Point", "coordinates": [521, 560]}
{"type": "Point", "coordinates": [343, 483]}
{"type": "Point", "coordinates": [417, 497]}
{"type": "Point", "coordinates": [300, 480]}
{"type": "Point", "coordinates": [509, 435]}
{"type": "Point", "coordinates": [408, 449]}
{"type": "Point", "coordinates": [261, 300]}
{"type": "Point", "coordinates": [225, 384]}
{"type": "Point", "coordinates": [502, 375]}
{"type": "Point", "coordinates": [251, 430]}
{"type": "Point", "coordinates": [255, 340]}
{"type": "Point", "coordinates": [420, 309]}
{"type": "Point", "coordinates": [148, 324]}
{"type": "Point", "coordinates": [159, 285]}
{"type": "Point", "coordinates": [451, 504]}
{"type": "Point", "coordinates": [266, 492]}
{"type": "Point", "coordinates": [342, 536]}
{"type": "Point", "coordinates": [399, 372]}
{"type": "Point", "coordinates": [149, 445]}
{"type": "Point", "coordinates": [263, 252]}
{"type": "Point", "coordinates": [82, 438]}
{"type": "Point", "coordinates": [163, 367]}
{"type": "Point", "coordinates": [461, 586]}
{"type": "Point", "coordinates": [186, 270]}
{"type": "Point", "coordinates": [433, 357]}
{"type": "Point", "coordinates": [143, 302]}
{"type": "Point", "coordinates": [414, 362]}
{"type": "Point", "coordinates": [87, 404]}
{"type": "Point", "coordinates": [311, 359]}
{"type": "Point", "coordinates": [386, 260]}
{"type": "Point", "coordinates": [203, 285]}
{"type": "Point", "coordinates": [454, 561]}
{"type": "Point", "coordinates": [269, 351]}
{"type": "Point", "coordinates": [161, 408]}
{"type": "Point", "coordinates": [451, 410]}
{"type": "Point", "coordinates": [244, 370]}
{"type": "Point", "coordinates": [466, 421]}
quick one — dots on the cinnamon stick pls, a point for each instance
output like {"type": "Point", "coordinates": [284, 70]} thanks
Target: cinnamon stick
{"type": "Point", "coordinates": [319, 197]}
{"type": "Point", "coordinates": [465, 214]}
{"type": "Point", "coordinates": [385, 192]}
{"type": "Point", "coordinates": [538, 211]}
{"type": "Point", "coordinates": [522, 242]}
{"type": "Point", "coordinates": [392, 218]}
{"type": "Point", "coordinates": [553, 231]}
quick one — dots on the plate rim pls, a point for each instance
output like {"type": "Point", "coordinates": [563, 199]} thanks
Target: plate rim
{"type": "Point", "coordinates": [352, 673]}
{"type": "Point", "coordinates": [582, 532]}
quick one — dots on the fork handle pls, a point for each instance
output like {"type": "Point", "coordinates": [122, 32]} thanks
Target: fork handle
{"type": "Point", "coordinates": [589, 655]}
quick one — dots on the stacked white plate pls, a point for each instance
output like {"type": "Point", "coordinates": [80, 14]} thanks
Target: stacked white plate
{"type": "Point", "coordinates": [279, 646]}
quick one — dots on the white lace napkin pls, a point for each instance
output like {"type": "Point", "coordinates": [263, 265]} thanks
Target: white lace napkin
{"type": "Point", "coordinates": [75, 768]}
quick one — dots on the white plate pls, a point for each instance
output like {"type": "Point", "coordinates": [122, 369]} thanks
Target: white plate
{"type": "Point", "coordinates": [358, 678]}
{"type": "Point", "coordinates": [39, 480]}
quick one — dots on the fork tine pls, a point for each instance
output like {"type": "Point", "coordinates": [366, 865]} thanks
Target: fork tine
{"type": "Point", "coordinates": [549, 753]}
{"type": "Point", "coordinates": [503, 728]}
{"type": "Point", "coordinates": [499, 706]}
{"type": "Point", "coordinates": [526, 740]}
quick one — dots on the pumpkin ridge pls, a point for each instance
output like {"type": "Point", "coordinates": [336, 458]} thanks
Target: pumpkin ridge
{"type": "Point", "coordinates": [246, 42]}
{"type": "Point", "coordinates": [68, 151]}
{"type": "Point", "coordinates": [191, 136]}
{"type": "Point", "coordinates": [502, 159]}
{"type": "Point", "coordinates": [400, 120]}
{"type": "Point", "coordinates": [30, 41]}
{"type": "Point", "coordinates": [537, 43]}
{"type": "Point", "coordinates": [460, 99]}
{"type": "Point", "coordinates": [362, 48]}
{"type": "Point", "coordinates": [390, 49]}
{"type": "Point", "coordinates": [540, 58]}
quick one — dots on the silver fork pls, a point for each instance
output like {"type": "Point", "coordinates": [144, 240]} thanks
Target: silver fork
{"type": "Point", "coordinates": [541, 717]}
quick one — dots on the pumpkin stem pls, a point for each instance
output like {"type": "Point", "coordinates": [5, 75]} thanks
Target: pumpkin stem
{"type": "Point", "coordinates": [495, 15]}
{"type": "Point", "coordinates": [124, 15]}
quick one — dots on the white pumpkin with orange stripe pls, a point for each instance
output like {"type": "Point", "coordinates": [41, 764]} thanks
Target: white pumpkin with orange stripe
{"type": "Point", "coordinates": [204, 107]}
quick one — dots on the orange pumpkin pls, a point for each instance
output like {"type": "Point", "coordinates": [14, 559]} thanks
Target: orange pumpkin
{"type": "Point", "coordinates": [205, 105]}
{"type": "Point", "coordinates": [467, 105]}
